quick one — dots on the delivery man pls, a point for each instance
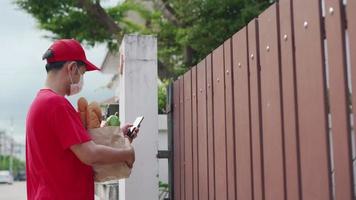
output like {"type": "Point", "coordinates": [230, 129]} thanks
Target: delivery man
{"type": "Point", "coordinates": [59, 151]}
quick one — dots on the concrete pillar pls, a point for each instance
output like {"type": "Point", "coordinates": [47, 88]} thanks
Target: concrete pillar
{"type": "Point", "coordinates": [137, 97]}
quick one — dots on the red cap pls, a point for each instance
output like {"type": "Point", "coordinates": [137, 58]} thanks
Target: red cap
{"type": "Point", "coordinates": [68, 50]}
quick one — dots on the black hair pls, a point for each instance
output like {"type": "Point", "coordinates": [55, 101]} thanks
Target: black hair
{"type": "Point", "coordinates": [55, 66]}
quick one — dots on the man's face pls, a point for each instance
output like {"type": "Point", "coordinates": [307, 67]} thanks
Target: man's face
{"type": "Point", "coordinates": [75, 70]}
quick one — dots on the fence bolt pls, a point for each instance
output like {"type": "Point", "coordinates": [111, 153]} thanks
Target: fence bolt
{"type": "Point", "coordinates": [267, 48]}
{"type": "Point", "coordinates": [285, 37]}
{"type": "Point", "coordinates": [208, 85]}
{"type": "Point", "coordinates": [218, 79]}
{"type": "Point", "coordinates": [305, 24]}
{"type": "Point", "coordinates": [227, 72]}
{"type": "Point", "coordinates": [201, 90]}
{"type": "Point", "coordinates": [252, 56]}
{"type": "Point", "coordinates": [239, 65]}
{"type": "Point", "coordinates": [331, 10]}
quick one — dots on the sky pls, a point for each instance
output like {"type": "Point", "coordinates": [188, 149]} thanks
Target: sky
{"type": "Point", "coordinates": [22, 71]}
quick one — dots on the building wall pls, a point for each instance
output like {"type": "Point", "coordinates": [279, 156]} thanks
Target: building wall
{"type": "Point", "coordinates": [163, 145]}
{"type": "Point", "coordinates": [8, 146]}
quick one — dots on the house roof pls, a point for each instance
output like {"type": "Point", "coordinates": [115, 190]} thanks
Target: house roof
{"type": "Point", "coordinates": [111, 63]}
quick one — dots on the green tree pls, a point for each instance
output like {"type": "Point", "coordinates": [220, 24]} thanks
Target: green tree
{"type": "Point", "coordinates": [162, 97]}
{"type": "Point", "coordinates": [187, 30]}
{"type": "Point", "coordinates": [17, 165]}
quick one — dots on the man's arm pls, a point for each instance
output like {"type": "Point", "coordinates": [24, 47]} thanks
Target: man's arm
{"type": "Point", "coordinates": [93, 154]}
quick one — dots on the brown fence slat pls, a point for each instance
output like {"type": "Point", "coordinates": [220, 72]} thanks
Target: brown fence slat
{"type": "Point", "coordinates": [195, 133]}
{"type": "Point", "coordinates": [181, 137]}
{"type": "Point", "coordinates": [188, 136]}
{"type": "Point", "coordinates": [314, 151]}
{"type": "Point", "coordinates": [210, 123]}
{"type": "Point", "coordinates": [338, 92]}
{"type": "Point", "coordinates": [242, 116]}
{"type": "Point", "coordinates": [219, 123]}
{"type": "Point", "coordinates": [176, 141]}
{"type": "Point", "coordinates": [257, 159]}
{"type": "Point", "coordinates": [289, 101]}
{"type": "Point", "coordinates": [271, 105]}
{"type": "Point", "coordinates": [351, 28]}
{"type": "Point", "coordinates": [202, 131]}
{"type": "Point", "coordinates": [253, 116]}
{"type": "Point", "coordinates": [229, 113]}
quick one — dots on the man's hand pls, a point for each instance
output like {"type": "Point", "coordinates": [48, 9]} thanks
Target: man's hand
{"type": "Point", "coordinates": [126, 128]}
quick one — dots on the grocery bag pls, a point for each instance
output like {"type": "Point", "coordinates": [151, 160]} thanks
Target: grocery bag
{"type": "Point", "coordinates": [113, 137]}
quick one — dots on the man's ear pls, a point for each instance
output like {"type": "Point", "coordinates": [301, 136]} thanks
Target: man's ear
{"type": "Point", "coordinates": [71, 67]}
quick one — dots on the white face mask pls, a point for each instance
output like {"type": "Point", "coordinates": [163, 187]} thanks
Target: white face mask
{"type": "Point", "coordinates": [75, 88]}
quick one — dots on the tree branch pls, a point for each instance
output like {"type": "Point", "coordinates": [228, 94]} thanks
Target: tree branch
{"type": "Point", "coordinates": [189, 55]}
{"type": "Point", "coordinates": [98, 12]}
{"type": "Point", "coordinates": [167, 11]}
{"type": "Point", "coordinates": [164, 72]}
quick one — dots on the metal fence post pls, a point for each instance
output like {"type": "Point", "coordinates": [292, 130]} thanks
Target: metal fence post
{"type": "Point", "coordinates": [169, 109]}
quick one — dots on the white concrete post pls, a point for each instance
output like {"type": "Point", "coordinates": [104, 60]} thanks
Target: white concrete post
{"type": "Point", "coordinates": [138, 96]}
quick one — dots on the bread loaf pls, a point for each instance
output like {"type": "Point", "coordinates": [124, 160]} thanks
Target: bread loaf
{"type": "Point", "coordinates": [82, 104]}
{"type": "Point", "coordinates": [82, 108]}
{"type": "Point", "coordinates": [93, 115]}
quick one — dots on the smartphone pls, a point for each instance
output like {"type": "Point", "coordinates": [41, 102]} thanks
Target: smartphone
{"type": "Point", "coordinates": [136, 124]}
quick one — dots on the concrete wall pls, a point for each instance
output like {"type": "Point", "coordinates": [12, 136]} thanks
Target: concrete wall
{"type": "Point", "coordinates": [138, 96]}
{"type": "Point", "coordinates": [162, 145]}
{"type": "Point", "coordinates": [111, 65]}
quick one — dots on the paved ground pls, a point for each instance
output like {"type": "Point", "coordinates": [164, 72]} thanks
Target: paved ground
{"type": "Point", "coordinates": [16, 191]}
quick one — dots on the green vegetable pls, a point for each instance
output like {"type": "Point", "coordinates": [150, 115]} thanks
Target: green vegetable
{"type": "Point", "coordinates": [113, 120]}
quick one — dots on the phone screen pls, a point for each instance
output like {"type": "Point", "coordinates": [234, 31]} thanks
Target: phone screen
{"type": "Point", "coordinates": [136, 123]}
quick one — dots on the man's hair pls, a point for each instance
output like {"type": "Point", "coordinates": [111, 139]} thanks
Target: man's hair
{"type": "Point", "coordinates": [56, 66]}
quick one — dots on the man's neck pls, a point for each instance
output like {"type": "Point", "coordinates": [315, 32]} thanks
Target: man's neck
{"type": "Point", "coordinates": [56, 83]}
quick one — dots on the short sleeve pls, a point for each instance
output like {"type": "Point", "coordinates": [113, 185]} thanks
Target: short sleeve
{"type": "Point", "coordinates": [68, 127]}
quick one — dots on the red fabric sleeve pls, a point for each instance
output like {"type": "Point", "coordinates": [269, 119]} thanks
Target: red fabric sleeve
{"type": "Point", "coordinates": [68, 127]}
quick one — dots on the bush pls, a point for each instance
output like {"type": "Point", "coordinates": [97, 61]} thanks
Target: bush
{"type": "Point", "coordinates": [162, 97]}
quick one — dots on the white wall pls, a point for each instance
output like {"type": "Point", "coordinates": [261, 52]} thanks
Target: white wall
{"type": "Point", "coordinates": [111, 66]}
{"type": "Point", "coordinates": [163, 145]}
{"type": "Point", "coordinates": [138, 96]}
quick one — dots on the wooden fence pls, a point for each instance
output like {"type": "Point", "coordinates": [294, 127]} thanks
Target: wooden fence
{"type": "Point", "coordinates": [268, 115]}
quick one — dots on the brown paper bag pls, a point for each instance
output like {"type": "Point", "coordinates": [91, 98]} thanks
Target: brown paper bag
{"type": "Point", "coordinates": [110, 136]}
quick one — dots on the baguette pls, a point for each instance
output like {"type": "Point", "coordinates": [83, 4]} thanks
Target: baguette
{"type": "Point", "coordinates": [93, 115]}
{"type": "Point", "coordinates": [82, 108]}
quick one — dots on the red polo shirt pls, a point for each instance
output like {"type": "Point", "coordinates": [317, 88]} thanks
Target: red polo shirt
{"type": "Point", "coordinates": [53, 170]}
